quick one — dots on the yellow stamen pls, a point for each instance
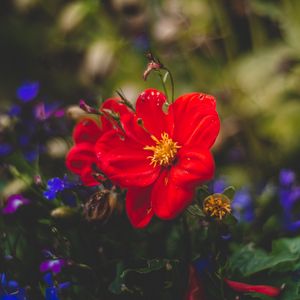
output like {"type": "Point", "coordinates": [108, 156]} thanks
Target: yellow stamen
{"type": "Point", "coordinates": [217, 205]}
{"type": "Point", "coordinates": [164, 151]}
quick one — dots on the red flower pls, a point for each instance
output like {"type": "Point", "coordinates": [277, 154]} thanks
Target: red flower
{"type": "Point", "coordinates": [195, 289]}
{"type": "Point", "coordinates": [82, 159]}
{"type": "Point", "coordinates": [249, 288]}
{"type": "Point", "coordinates": [160, 157]}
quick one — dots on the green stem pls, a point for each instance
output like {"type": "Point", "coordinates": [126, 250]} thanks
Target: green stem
{"type": "Point", "coordinates": [163, 84]}
{"type": "Point", "coordinates": [172, 84]}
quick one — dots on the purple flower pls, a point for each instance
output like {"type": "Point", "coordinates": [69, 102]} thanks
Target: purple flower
{"type": "Point", "coordinates": [43, 111]}
{"type": "Point", "coordinates": [242, 205]}
{"type": "Point", "coordinates": [286, 177]}
{"type": "Point", "coordinates": [53, 265]}
{"type": "Point", "coordinates": [13, 203]}
{"type": "Point", "coordinates": [28, 91]}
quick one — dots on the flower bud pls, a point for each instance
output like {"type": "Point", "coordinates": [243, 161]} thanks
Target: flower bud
{"type": "Point", "coordinates": [63, 212]}
{"type": "Point", "coordinates": [100, 206]}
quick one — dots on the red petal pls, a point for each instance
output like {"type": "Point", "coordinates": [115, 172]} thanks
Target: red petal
{"type": "Point", "coordinates": [124, 161]}
{"type": "Point", "coordinates": [135, 131]}
{"type": "Point", "coordinates": [86, 131]}
{"type": "Point", "coordinates": [196, 120]}
{"type": "Point", "coordinates": [116, 106]}
{"type": "Point", "coordinates": [138, 206]}
{"type": "Point", "coordinates": [262, 289]}
{"type": "Point", "coordinates": [149, 109]}
{"type": "Point", "coordinates": [168, 198]}
{"type": "Point", "coordinates": [195, 290]}
{"type": "Point", "coordinates": [193, 167]}
{"type": "Point", "coordinates": [80, 156]}
{"type": "Point", "coordinates": [89, 179]}
{"type": "Point", "coordinates": [80, 160]}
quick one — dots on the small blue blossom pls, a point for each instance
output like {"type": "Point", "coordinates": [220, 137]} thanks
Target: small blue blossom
{"type": "Point", "coordinates": [203, 265]}
{"type": "Point", "coordinates": [10, 290]}
{"type": "Point", "coordinates": [5, 149]}
{"type": "Point", "coordinates": [242, 205]}
{"type": "Point", "coordinates": [14, 111]}
{"type": "Point", "coordinates": [28, 91]}
{"type": "Point", "coordinates": [286, 177]}
{"type": "Point", "coordinates": [219, 185]}
{"type": "Point", "coordinates": [289, 195]}
{"type": "Point", "coordinates": [56, 185]}
{"type": "Point", "coordinates": [52, 290]}
{"type": "Point", "coordinates": [30, 155]}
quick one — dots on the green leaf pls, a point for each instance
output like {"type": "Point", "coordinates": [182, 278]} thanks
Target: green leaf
{"type": "Point", "coordinates": [285, 256]}
{"type": "Point", "coordinates": [229, 192]}
{"type": "Point", "coordinates": [120, 283]}
{"type": "Point", "coordinates": [116, 286]}
{"type": "Point", "coordinates": [195, 210]}
{"type": "Point", "coordinates": [202, 193]}
{"type": "Point", "coordinates": [230, 220]}
{"type": "Point", "coordinates": [152, 265]}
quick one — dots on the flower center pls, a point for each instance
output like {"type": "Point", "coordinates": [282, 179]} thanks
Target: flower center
{"type": "Point", "coordinates": [164, 151]}
{"type": "Point", "coordinates": [217, 205]}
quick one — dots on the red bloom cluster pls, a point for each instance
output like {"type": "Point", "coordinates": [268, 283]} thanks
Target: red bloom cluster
{"type": "Point", "coordinates": [160, 155]}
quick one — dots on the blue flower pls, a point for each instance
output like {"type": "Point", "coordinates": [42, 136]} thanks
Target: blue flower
{"type": "Point", "coordinates": [15, 111]}
{"type": "Point", "coordinates": [286, 177]}
{"type": "Point", "coordinates": [5, 149]}
{"type": "Point", "coordinates": [242, 205]}
{"type": "Point", "coordinates": [289, 195]}
{"type": "Point", "coordinates": [52, 290]}
{"type": "Point", "coordinates": [10, 290]}
{"type": "Point", "coordinates": [56, 186]}
{"type": "Point", "coordinates": [219, 185]}
{"type": "Point", "coordinates": [28, 91]}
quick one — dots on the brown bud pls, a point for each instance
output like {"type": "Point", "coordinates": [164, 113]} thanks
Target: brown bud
{"type": "Point", "coordinates": [100, 205]}
{"type": "Point", "coordinates": [153, 64]}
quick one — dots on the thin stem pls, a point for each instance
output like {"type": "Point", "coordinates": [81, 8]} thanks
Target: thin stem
{"type": "Point", "coordinates": [172, 83]}
{"type": "Point", "coordinates": [163, 84]}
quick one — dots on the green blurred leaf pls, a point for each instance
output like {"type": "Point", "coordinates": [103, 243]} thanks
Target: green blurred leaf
{"type": "Point", "coordinates": [229, 192]}
{"type": "Point", "coordinates": [285, 256]}
{"type": "Point", "coordinates": [230, 220]}
{"type": "Point", "coordinates": [195, 210]}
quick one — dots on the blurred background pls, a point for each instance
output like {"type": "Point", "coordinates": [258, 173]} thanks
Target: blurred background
{"type": "Point", "coordinates": [55, 52]}
{"type": "Point", "coordinates": [246, 53]}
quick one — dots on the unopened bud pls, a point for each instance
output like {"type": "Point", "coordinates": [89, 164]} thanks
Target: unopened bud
{"type": "Point", "coordinates": [37, 179]}
{"type": "Point", "coordinates": [153, 64]}
{"type": "Point", "coordinates": [100, 206]}
{"type": "Point", "coordinates": [63, 212]}
{"type": "Point", "coordinates": [87, 108]}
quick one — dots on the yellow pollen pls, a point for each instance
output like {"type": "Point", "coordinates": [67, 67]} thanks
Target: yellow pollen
{"type": "Point", "coordinates": [217, 205]}
{"type": "Point", "coordinates": [164, 151]}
